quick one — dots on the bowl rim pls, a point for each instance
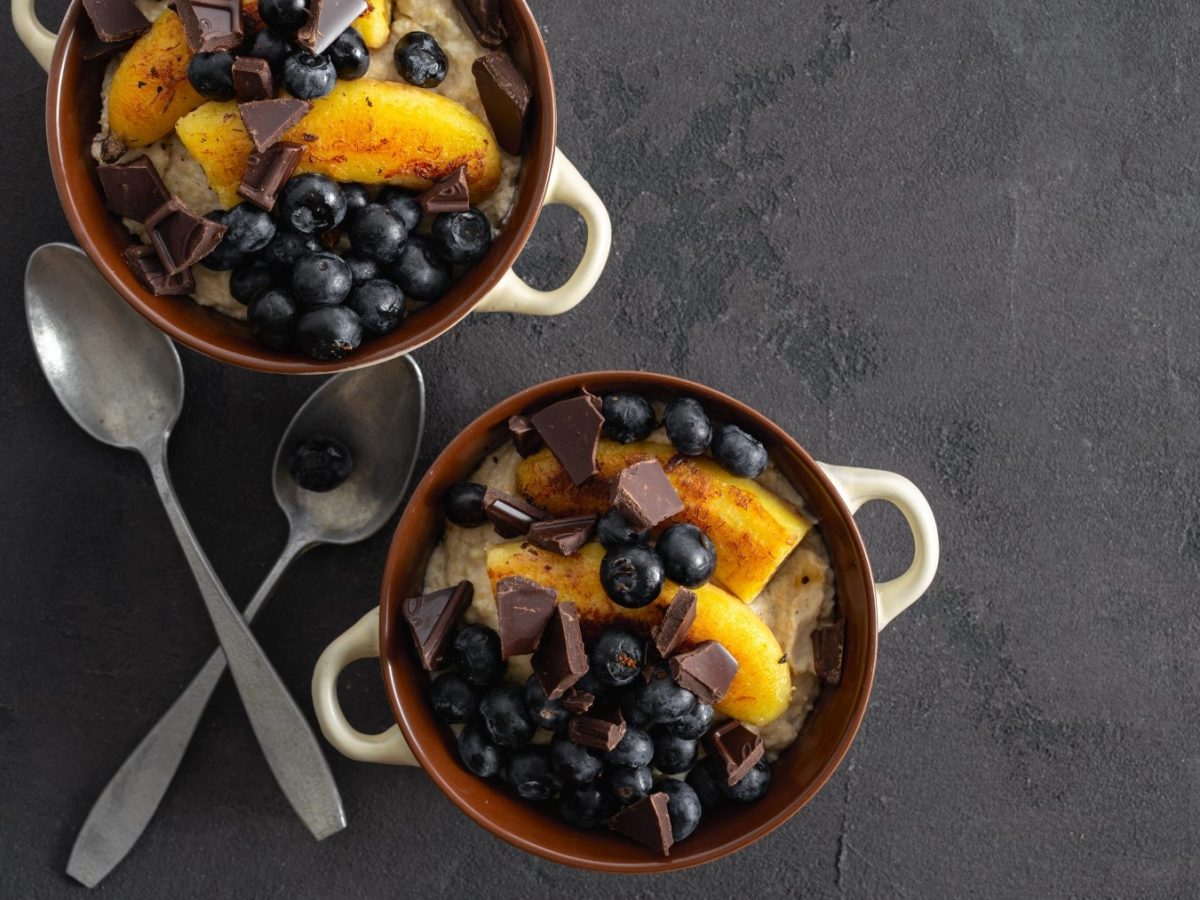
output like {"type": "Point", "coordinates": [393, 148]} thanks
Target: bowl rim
{"type": "Point", "coordinates": [536, 169]}
{"type": "Point", "coordinates": [400, 550]}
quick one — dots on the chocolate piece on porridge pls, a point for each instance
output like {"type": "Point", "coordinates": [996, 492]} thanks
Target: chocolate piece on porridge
{"type": "Point", "coordinates": [601, 728]}
{"type": "Point", "coordinates": [116, 20]}
{"type": "Point", "coordinates": [181, 237]}
{"type": "Point", "coordinates": [670, 634]}
{"type": "Point", "coordinates": [707, 671]}
{"type": "Point", "coordinates": [94, 48]}
{"type": "Point", "coordinates": [563, 536]}
{"type": "Point", "coordinates": [524, 436]}
{"type": "Point", "coordinates": [505, 95]}
{"type": "Point", "coordinates": [267, 172]}
{"type": "Point", "coordinates": [509, 515]}
{"type": "Point", "coordinates": [431, 619]}
{"type": "Point", "coordinates": [577, 701]}
{"type": "Point", "coordinates": [736, 748]}
{"type": "Point", "coordinates": [829, 644]}
{"type": "Point", "coordinates": [134, 189]}
{"type": "Point", "coordinates": [647, 822]}
{"type": "Point", "coordinates": [210, 25]}
{"type": "Point", "coordinates": [560, 660]}
{"type": "Point", "coordinates": [523, 607]}
{"type": "Point", "coordinates": [147, 268]}
{"type": "Point", "coordinates": [644, 495]}
{"type": "Point", "coordinates": [252, 79]}
{"type": "Point", "coordinates": [483, 18]}
{"type": "Point", "coordinates": [571, 429]}
{"type": "Point", "coordinates": [267, 120]}
{"type": "Point", "coordinates": [450, 194]}
{"type": "Point", "coordinates": [327, 19]}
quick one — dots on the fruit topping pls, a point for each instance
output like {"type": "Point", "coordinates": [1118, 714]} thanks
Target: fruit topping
{"type": "Point", "coordinates": [629, 785]}
{"type": "Point", "coordinates": [505, 97]}
{"type": "Point", "coordinates": [248, 281]}
{"type": "Point", "coordinates": [349, 55]}
{"type": "Point", "coordinates": [674, 755]}
{"type": "Point", "coordinates": [284, 16]}
{"type": "Point", "coordinates": [224, 256]}
{"type": "Point", "coordinates": [683, 807]}
{"type": "Point", "coordinates": [321, 279]}
{"type": "Point", "coordinates": [632, 575]}
{"type": "Point", "coordinates": [357, 199]}
{"type": "Point", "coordinates": [272, 46]}
{"type": "Point", "coordinates": [476, 652]}
{"type": "Point", "coordinates": [504, 716]}
{"type": "Point", "coordinates": [688, 556]}
{"type": "Point", "coordinates": [464, 504]}
{"type": "Point", "coordinates": [453, 699]}
{"type": "Point", "coordinates": [477, 752]}
{"type": "Point", "coordinates": [575, 763]}
{"type": "Point", "coordinates": [672, 631]}
{"type": "Point", "coordinates": [320, 463]}
{"type": "Point", "coordinates": [329, 332]}
{"type": "Point", "coordinates": [379, 304]}
{"type": "Point", "coordinates": [829, 642]}
{"type": "Point", "coordinates": [613, 531]}
{"type": "Point", "coordinates": [571, 429]}
{"type": "Point", "coordinates": [362, 269]}
{"type": "Point", "coordinates": [308, 77]}
{"type": "Point", "coordinates": [523, 608]}
{"type": "Point", "coordinates": [405, 204]}
{"type": "Point", "coordinates": [687, 425]}
{"type": "Point", "coordinates": [252, 79]}
{"type": "Point", "coordinates": [616, 657]}
{"type": "Point", "coordinates": [272, 316]}
{"type": "Point", "coordinates": [431, 618]}
{"type": "Point", "coordinates": [378, 233]}
{"type": "Point", "coordinates": [635, 750]}
{"type": "Point", "coordinates": [211, 74]}
{"type": "Point", "coordinates": [461, 238]}
{"type": "Point", "coordinates": [285, 248]}
{"type": "Point", "coordinates": [644, 495]}
{"type": "Point", "coordinates": [250, 229]}
{"type": "Point", "coordinates": [582, 805]}
{"type": "Point", "coordinates": [551, 715]}
{"type": "Point", "coordinates": [694, 724]}
{"type": "Point", "coordinates": [735, 748]}
{"type": "Point", "coordinates": [531, 776]}
{"type": "Point", "coordinates": [628, 417]}
{"type": "Point", "coordinates": [707, 783]}
{"type": "Point", "coordinates": [752, 786]}
{"type": "Point", "coordinates": [311, 203]}
{"type": "Point", "coordinates": [450, 194]}
{"type": "Point", "coordinates": [563, 536]}
{"type": "Point", "coordinates": [419, 271]}
{"type": "Point", "coordinates": [419, 60]}
{"type": "Point", "coordinates": [739, 452]}
{"type": "Point", "coordinates": [647, 822]}
{"type": "Point", "coordinates": [660, 699]}
{"type": "Point", "coordinates": [266, 120]}
{"type": "Point", "coordinates": [560, 660]}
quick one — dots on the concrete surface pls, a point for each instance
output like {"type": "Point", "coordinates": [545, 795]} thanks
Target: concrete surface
{"type": "Point", "coordinates": [956, 239]}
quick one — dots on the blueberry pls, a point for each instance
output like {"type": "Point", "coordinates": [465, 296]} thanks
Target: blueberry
{"type": "Point", "coordinates": [614, 531]}
{"type": "Point", "coordinates": [502, 710]}
{"type": "Point", "coordinates": [633, 751]}
{"type": "Point", "coordinates": [362, 269]}
{"type": "Point", "coordinates": [329, 333]}
{"type": "Point", "coordinates": [546, 713]}
{"type": "Point", "coordinates": [308, 77]}
{"type": "Point", "coordinates": [590, 684]}
{"type": "Point", "coordinates": [616, 656]}
{"type": "Point", "coordinates": [321, 279]}
{"type": "Point", "coordinates": [250, 228]}
{"type": "Point", "coordinates": [283, 15]}
{"type": "Point", "coordinates": [464, 504]}
{"type": "Point", "coordinates": [753, 784]}
{"type": "Point", "coordinates": [687, 426]}
{"type": "Point", "coordinates": [694, 724]}
{"type": "Point", "coordinates": [461, 238]}
{"type": "Point", "coordinates": [674, 755]}
{"type": "Point", "coordinates": [273, 47]}
{"type": "Point", "coordinates": [632, 575]}
{"type": "Point", "coordinates": [320, 463]}
{"type": "Point", "coordinates": [739, 452]}
{"type": "Point", "coordinates": [477, 752]}
{"type": "Point", "coordinates": [272, 316]}
{"type": "Point", "coordinates": [530, 775]}
{"type": "Point", "coordinates": [379, 304]}
{"type": "Point", "coordinates": [453, 699]}
{"type": "Point", "coordinates": [582, 805]}
{"type": "Point", "coordinates": [662, 700]}
{"type": "Point", "coordinates": [683, 807]}
{"type": "Point", "coordinates": [420, 60]}
{"type": "Point", "coordinates": [634, 716]}
{"type": "Point", "coordinates": [628, 785]}
{"type": "Point", "coordinates": [225, 255]}
{"type": "Point", "coordinates": [706, 780]}
{"type": "Point", "coordinates": [211, 74]}
{"type": "Point", "coordinates": [248, 281]}
{"type": "Point", "coordinates": [628, 417]}
{"type": "Point", "coordinates": [311, 204]}
{"type": "Point", "coordinates": [687, 554]}
{"type": "Point", "coordinates": [574, 763]}
{"type": "Point", "coordinates": [404, 204]}
{"type": "Point", "coordinates": [476, 652]}
{"type": "Point", "coordinates": [378, 233]}
{"type": "Point", "coordinates": [285, 248]}
{"type": "Point", "coordinates": [419, 271]}
{"type": "Point", "coordinates": [357, 199]}
{"type": "Point", "coordinates": [349, 55]}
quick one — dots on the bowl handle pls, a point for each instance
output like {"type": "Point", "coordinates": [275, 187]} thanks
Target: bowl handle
{"type": "Point", "coordinates": [360, 641]}
{"type": "Point", "coordinates": [859, 486]}
{"type": "Point", "coordinates": [37, 38]}
{"type": "Point", "coordinates": [512, 295]}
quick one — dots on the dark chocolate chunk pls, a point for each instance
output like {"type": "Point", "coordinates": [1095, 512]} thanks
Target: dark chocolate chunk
{"type": "Point", "coordinates": [327, 19]}
{"type": "Point", "coordinates": [505, 97]}
{"type": "Point", "coordinates": [706, 671]}
{"type": "Point", "coordinates": [483, 18]}
{"type": "Point", "coordinates": [266, 173]}
{"type": "Point", "coordinates": [670, 634]}
{"type": "Point", "coordinates": [267, 120]}
{"type": "Point", "coordinates": [116, 20]}
{"type": "Point", "coordinates": [431, 619]}
{"type": "Point", "coordinates": [524, 436]}
{"type": "Point", "coordinates": [829, 643]}
{"type": "Point", "coordinates": [148, 269]}
{"type": "Point", "coordinates": [577, 701]}
{"type": "Point", "coordinates": [563, 536]}
{"type": "Point", "coordinates": [210, 25]}
{"type": "Point", "coordinates": [252, 79]}
{"type": "Point", "coordinates": [523, 608]}
{"type": "Point", "coordinates": [448, 195]}
{"type": "Point", "coordinates": [134, 189]}
{"type": "Point", "coordinates": [181, 237]}
{"type": "Point", "coordinates": [94, 48]}
{"type": "Point", "coordinates": [644, 495]}
{"type": "Point", "coordinates": [601, 728]}
{"type": "Point", "coordinates": [647, 822]}
{"type": "Point", "coordinates": [736, 748]}
{"type": "Point", "coordinates": [509, 515]}
{"type": "Point", "coordinates": [571, 429]}
{"type": "Point", "coordinates": [560, 660]}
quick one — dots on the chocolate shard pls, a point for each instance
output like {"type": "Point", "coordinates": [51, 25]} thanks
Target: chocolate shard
{"type": "Point", "coordinates": [267, 172]}
{"type": "Point", "coordinates": [509, 515]}
{"type": "Point", "coordinates": [327, 19]}
{"type": "Point", "coordinates": [147, 268]}
{"type": "Point", "coordinates": [267, 120]}
{"type": "Point", "coordinates": [431, 619]}
{"type": "Point", "coordinates": [483, 18]}
{"type": "Point", "coordinates": [210, 25]}
{"type": "Point", "coordinates": [504, 93]}
{"type": "Point", "coordinates": [524, 436]}
{"type": "Point", "coordinates": [523, 607]}
{"type": "Point", "coordinates": [647, 822]}
{"type": "Point", "coordinates": [134, 189]}
{"type": "Point", "coordinates": [829, 644]}
{"type": "Point", "coordinates": [644, 495]}
{"type": "Point", "coordinates": [448, 195]}
{"type": "Point", "coordinates": [672, 631]}
{"type": "Point", "coordinates": [576, 701]}
{"type": "Point", "coordinates": [560, 659]}
{"type": "Point", "coordinates": [601, 728]}
{"type": "Point", "coordinates": [252, 79]}
{"type": "Point", "coordinates": [707, 670]}
{"type": "Point", "coordinates": [571, 429]}
{"type": "Point", "coordinates": [94, 48]}
{"type": "Point", "coordinates": [116, 20]}
{"type": "Point", "coordinates": [181, 237]}
{"type": "Point", "coordinates": [736, 748]}
{"type": "Point", "coordinates": [563, 536]}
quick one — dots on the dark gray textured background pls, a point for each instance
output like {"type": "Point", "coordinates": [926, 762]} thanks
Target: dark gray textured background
{"type": "Point", "coordinates": [955, 239]}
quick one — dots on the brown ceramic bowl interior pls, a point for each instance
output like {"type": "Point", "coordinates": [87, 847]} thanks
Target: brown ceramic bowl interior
{"type": "Point", "coordinates": [800, 771]}
{"type": "Point", "coordinates": [72, 114]}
